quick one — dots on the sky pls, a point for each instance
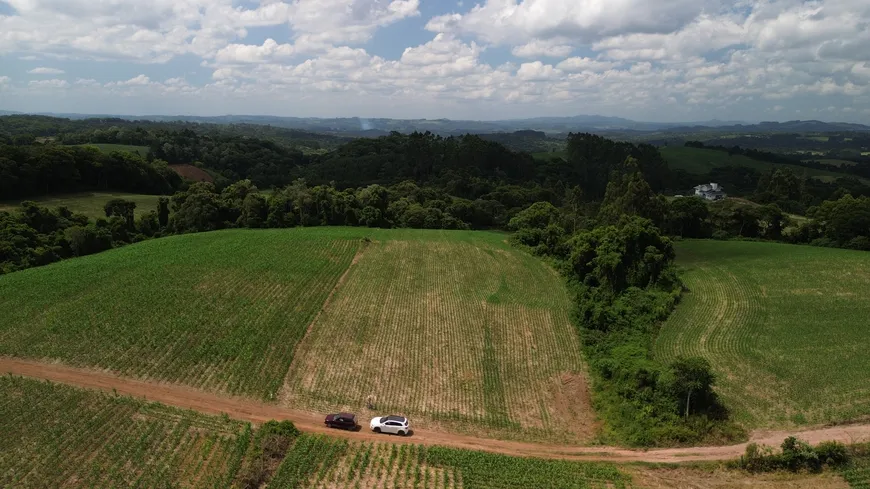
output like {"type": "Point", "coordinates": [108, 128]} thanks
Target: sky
{"type": "Point", "coordinates": [649, 60]}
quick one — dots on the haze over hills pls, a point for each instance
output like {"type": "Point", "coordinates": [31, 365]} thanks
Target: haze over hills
{"type": "Point", "coordinates": [365, 127]}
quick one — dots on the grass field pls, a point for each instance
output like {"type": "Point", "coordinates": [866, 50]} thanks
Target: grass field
{"type": "Point", "coordinates": [447, 327]}
{"type": "Point", "coordinates": [546, 155]}
{"type": "Point", "coordinates": [699, 161]}
{"type": "Point", "coordinates": [221, 311]}
{"type": "Point", "coordinates": [89, 203]}
{"type": "Point", "coordinates": [108, 148]}
{"type": "Point", "coordinates": [55, 436]}
{"type": "Point", "coordinates": [785, 328]}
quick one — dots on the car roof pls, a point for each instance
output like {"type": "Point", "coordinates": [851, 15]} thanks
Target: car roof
{"type": "Point", "coordinates": [346, 415]}
{"type": "Point", "coordinates": [400, 419]}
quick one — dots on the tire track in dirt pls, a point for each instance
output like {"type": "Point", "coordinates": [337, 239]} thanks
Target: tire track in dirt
{"type": "Point", "coordinates": [257, 412]}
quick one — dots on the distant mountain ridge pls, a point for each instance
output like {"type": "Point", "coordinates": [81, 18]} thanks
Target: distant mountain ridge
{"type": "Point", "coordinates": [373, 127]}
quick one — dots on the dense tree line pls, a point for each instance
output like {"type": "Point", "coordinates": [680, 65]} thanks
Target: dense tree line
{"type": "Point", "coordinates": [38, 170]}
{"type": "Point", "coordinates": [35, 236]}
{"type": "Point", "coordinates": [25, 129]}
{"type": "Point", "coordinates": [619, 265]}
{"type": "Point", "coordinates": [619, 260]}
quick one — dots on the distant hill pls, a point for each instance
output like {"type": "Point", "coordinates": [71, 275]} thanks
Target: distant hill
{"type": "Point", "coordinates": [363, 127]}
{"type": "Point", "coordinates": [789, 126]}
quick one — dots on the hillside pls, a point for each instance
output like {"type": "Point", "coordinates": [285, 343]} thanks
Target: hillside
{"type": "Point", "coordinates": [700, 161]}
{"type": "Point", "coordinates": [454, 328]}
{"type": "Point", "coordinates": [784, 327]}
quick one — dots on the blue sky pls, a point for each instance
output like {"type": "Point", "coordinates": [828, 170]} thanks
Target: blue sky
{"type": "Point", "coordinates": [674, 60]}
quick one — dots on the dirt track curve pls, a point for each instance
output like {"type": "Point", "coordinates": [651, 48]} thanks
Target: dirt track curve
{"type": "Point", "coordinates": [248, 410]}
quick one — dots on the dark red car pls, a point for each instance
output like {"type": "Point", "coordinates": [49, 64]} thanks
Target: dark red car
{"type": "Point", "coordinates": [346, 421]}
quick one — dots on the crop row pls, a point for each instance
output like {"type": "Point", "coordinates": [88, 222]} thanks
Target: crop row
{"type": "Point", "coordinates": [56, 436]}
{"type": "Point", "coordinates": [319, 463]}
{"type": "Point", "coordinates": [220, 311]}
{"type": "Point", "coordinates": [450, 331]}
{"type": "Point", "coordinates": [783, 327]}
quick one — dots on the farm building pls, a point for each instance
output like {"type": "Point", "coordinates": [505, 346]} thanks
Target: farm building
{"type": "Point", "coordinates": [710, 191]}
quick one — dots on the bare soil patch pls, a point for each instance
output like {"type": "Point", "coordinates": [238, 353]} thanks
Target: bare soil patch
{"type": "Point", "coordinates": [191, 172]}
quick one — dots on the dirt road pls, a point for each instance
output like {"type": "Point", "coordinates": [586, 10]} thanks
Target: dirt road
{"type": "Point", "coordinates": [245, 409]}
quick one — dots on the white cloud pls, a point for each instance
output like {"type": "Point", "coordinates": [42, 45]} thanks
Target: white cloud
{"type": "Point", "coordinates": [46, 71]}
{"type": "Point", "coordinates": [4, 80]}
{"type": "Point", "coordinates": [244, 53]}
{"type": "Point", "coordinates": [517, 21]}
{"type": "Point", "coordinates": [53, 83]}
{"type": "Point", "coordinates": [556, 48]}
{"type": "Point", "coordinates": [640, 58]}
{"type": "Point", "coordinates": [577, 64]}
{"type": "Point", "coordinates": [158, 30]}
{"type": "Point", "coordinates": [537, 71]}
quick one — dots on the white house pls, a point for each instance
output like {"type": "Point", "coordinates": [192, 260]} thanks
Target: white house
{"type": "Point", "coordinates": [710, 191]}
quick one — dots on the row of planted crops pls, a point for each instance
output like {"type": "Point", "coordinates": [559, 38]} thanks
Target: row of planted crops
{"type": "Point", "coordinates": [56, 436]}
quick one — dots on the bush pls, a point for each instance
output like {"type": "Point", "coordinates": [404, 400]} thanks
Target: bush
{"type": "Point", "coordinates": [832, 453]}
{"type": "Point", "coordinates": [721, 235]}
{"type": "Point", "coordinates": [796, 456]}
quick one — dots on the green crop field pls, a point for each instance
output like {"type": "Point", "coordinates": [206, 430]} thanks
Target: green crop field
{"type": "Point", "coordinates": [55, 436]}
{"type": "Point", "coordinates": [108, 148]}
{"type": "Point", "coordinates": [448, 327]}
{"type": "Point", "coordinates": [221, 311]}
{"type": "Point", "coordinates": [699, 161]}
{"type": "Point", "coordinates": [322, 462]}
{"type": "Point", "coordinates": [785, 328]}
{"type": "Point", "coordinates": [89, 203]}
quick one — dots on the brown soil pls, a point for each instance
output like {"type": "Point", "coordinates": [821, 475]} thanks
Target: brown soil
{"type": "Point", "coordinates": [191, 172]}
{"type": "Point", "coordinates": [257, 412]}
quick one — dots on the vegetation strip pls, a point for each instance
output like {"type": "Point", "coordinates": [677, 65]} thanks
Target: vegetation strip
{"type": "Point", "coordinates": [247, 410]}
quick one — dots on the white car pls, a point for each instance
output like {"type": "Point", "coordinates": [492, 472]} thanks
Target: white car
{"type": "Point", "coordinates": [397, 425]}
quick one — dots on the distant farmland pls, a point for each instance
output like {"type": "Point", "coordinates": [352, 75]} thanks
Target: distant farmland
{"type": "Point", "coordinates": [784, 326]}
{"type": "Point", "coordinates": [90, 204]}
{"type": "Point", "coordinates": [699, 161]}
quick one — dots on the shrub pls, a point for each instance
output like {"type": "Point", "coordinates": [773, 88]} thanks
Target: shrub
{"type": "Point", "coordinates": [832, 453]}
{"type": "Point", "coordinates": [796, 456]}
